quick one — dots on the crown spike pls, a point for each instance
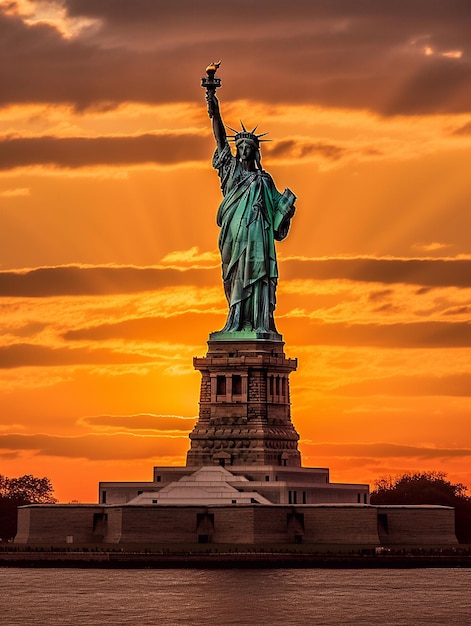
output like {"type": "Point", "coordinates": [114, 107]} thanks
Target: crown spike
{"type": "Point", "coordinates": [243, 127]}
{"type": "Point", "coordinates": [233, 129]}
{"type": "Point", "coordinates": [253, 131]}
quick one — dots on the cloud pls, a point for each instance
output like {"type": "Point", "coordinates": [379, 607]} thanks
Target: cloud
{"type": "Point", "coordinates": [453, 54]}
{"type": "Point", "coordinates": [334, 313]}
{"type": "Point", "coordinates": [185, 326]}
{"type": "Point", "coordinates": [463, 130]}
{"type": "Point", "coordinates": [412, 335]}
{"type": "Point", "coordinates": [449, 77]}
{"type": "Point", "coordinates": [192, 257]}
{"type": "Point", "coordinates": [151, 148]}
{"type": "Point", "coordinates": [123, 446]}
{"type": "Point", "coordinates": [74, 152]}
{"type": "Point", "coordinates": [15, 193]}
{"type": "Point", "coordinates": [26, 355]}
{"type": "Point", "coordinates": [432, 246]}
{"type": "Point", "coordinates": [456, 385]}
{"type": "Point", "coordinates": [302, 326]}
{"type": "Point", "coordinates": [188, 325]}
{"type": "Point", "coordinates": [105, 280]}
{"type": "Point", "coordinates": [41, 65]}
{"type": "Point", "coordinates": [424, 272]}
{"type": "Point", "coordinates": [95, 447]}
{"type": "Point", "coordinates": [380, 295]}
{"type": "Point", "coordinates": [384, 450]}
{"type": "Point", "coordinates": [459, 310]}
{"type": "Point", "coordinates": [367, 55]}
{"type": "Point", "coordinates": [297, 149]}
{"type": "Point", "coordinates": [161, 423]}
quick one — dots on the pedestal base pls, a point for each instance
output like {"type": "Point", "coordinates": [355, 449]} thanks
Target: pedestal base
{"type": "Point", "coordinates": [244, 335]}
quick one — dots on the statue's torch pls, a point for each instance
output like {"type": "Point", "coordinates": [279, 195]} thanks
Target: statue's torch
{"type": "Point", "coordinates": [211, 83]}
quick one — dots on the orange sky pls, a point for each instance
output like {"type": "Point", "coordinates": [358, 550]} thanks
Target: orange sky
{"type": "Point", "coordinates": [109, 270]}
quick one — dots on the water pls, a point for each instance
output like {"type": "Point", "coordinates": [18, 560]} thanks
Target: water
{"type": "Point", "coordinates": [241, 597]}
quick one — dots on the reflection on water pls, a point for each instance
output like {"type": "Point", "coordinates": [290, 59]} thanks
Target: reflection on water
{"type": "Point", "coordinates": [240, 596]}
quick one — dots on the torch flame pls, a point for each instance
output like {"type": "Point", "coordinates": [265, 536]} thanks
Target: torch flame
{"type": "Point", "coordinates": [212, 67]}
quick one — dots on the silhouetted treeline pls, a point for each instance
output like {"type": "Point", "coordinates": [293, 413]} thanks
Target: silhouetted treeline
{"type": "Point", "coordinates": [15, 492]}
{"type": "Point", "coordinates": [427, 488]}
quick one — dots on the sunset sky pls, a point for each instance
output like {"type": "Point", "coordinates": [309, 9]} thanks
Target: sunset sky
{"type": "Point", "coordinates": [109, 269]}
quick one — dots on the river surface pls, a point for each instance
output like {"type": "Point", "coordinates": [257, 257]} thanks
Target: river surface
{"type": "Point", "coordinates": [90, 597]}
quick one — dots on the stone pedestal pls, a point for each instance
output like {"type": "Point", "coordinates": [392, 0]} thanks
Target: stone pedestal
{"type": "Point", "coordinates": [244, 416]}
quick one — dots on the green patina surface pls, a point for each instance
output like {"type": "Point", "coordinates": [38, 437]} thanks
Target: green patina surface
{"type": "Point", "coordinates": [252, 216]}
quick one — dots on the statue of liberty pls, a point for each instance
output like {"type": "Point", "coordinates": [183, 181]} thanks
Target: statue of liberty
{"type": "Point", "coordinates": [252, 215]}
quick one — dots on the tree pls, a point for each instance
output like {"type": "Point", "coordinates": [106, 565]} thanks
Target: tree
{"type": "Point", "coordinates": [15, 492]}
{"type": "Point", "coordinates": [427, 488]}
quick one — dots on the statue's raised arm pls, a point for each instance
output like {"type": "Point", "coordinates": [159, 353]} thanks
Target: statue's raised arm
{"type": "Point", "coordinates": [252, 215]}
{"type": "Point", "coordinates": [215, 115]}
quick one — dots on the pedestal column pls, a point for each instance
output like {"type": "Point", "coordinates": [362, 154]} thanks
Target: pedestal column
{"type": "Point", "coordinates": [245, 409]}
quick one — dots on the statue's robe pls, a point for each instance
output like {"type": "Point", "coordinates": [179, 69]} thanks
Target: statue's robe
{"type": "Point", "coordinates": [251, 216]}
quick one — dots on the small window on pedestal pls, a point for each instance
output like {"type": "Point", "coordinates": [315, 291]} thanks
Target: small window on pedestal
{"type": "Point", "coordinates": [221, 386]}
{"type": "Point", "coordinates": [236, 385]}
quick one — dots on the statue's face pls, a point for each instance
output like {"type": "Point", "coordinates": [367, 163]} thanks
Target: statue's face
{"type": "Point", "coordinates": [246, 151]}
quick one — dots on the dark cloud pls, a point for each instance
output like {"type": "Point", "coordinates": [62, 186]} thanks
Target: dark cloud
{"type": "Point", "coordinates": [75, 280]}
{"type": "Point", "coordinates": [310, 332]}
{"type": "Point", "coordinates": [387, 308]}
{"type": "Point", "coordinates": [457, 385]}
{"type": "Point", "coordinates": [459, 310]}
{"type": "Point", "coordinates": [424, 272]}
{"type": "Point", "coordinates": [184, 328]}
{"type": "Point", "coordinates": [384, 450]}
{"type": "Point", "coordinates": [410, 335]}
{"type": "Point", "coordinates": [39, 65]}
{"type": "Point", "coordinates": [439, 86]}
{"type": "Point", "coordinates": [290, 148]}
{"type": "Point", "coordinates": [187, 327]}
{"type": "Point", "coordinates": [97, 447]}
{"type": "Point", "coordinates": [463, 130]}
{"type": "Point", "coordinates": [73, 152]}
{"type": "Point", "coordinates": [95, 281]}
{"type": "Point", "coordinates": [28, 330]}
{"type": "Point", "coordinates": [364, 54]}
{"type": "Point", "coordinates": [126, 447]}
{"type": "Point", "coordinates": [246, 13]}
{"type": "Point", "coordinates": [26, 355]}
{"type": "Point", "coordinates": [380, 295]}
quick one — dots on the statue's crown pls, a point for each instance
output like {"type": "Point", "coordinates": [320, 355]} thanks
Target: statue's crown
{"type": "Point", "coordinates": [248, 135]}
